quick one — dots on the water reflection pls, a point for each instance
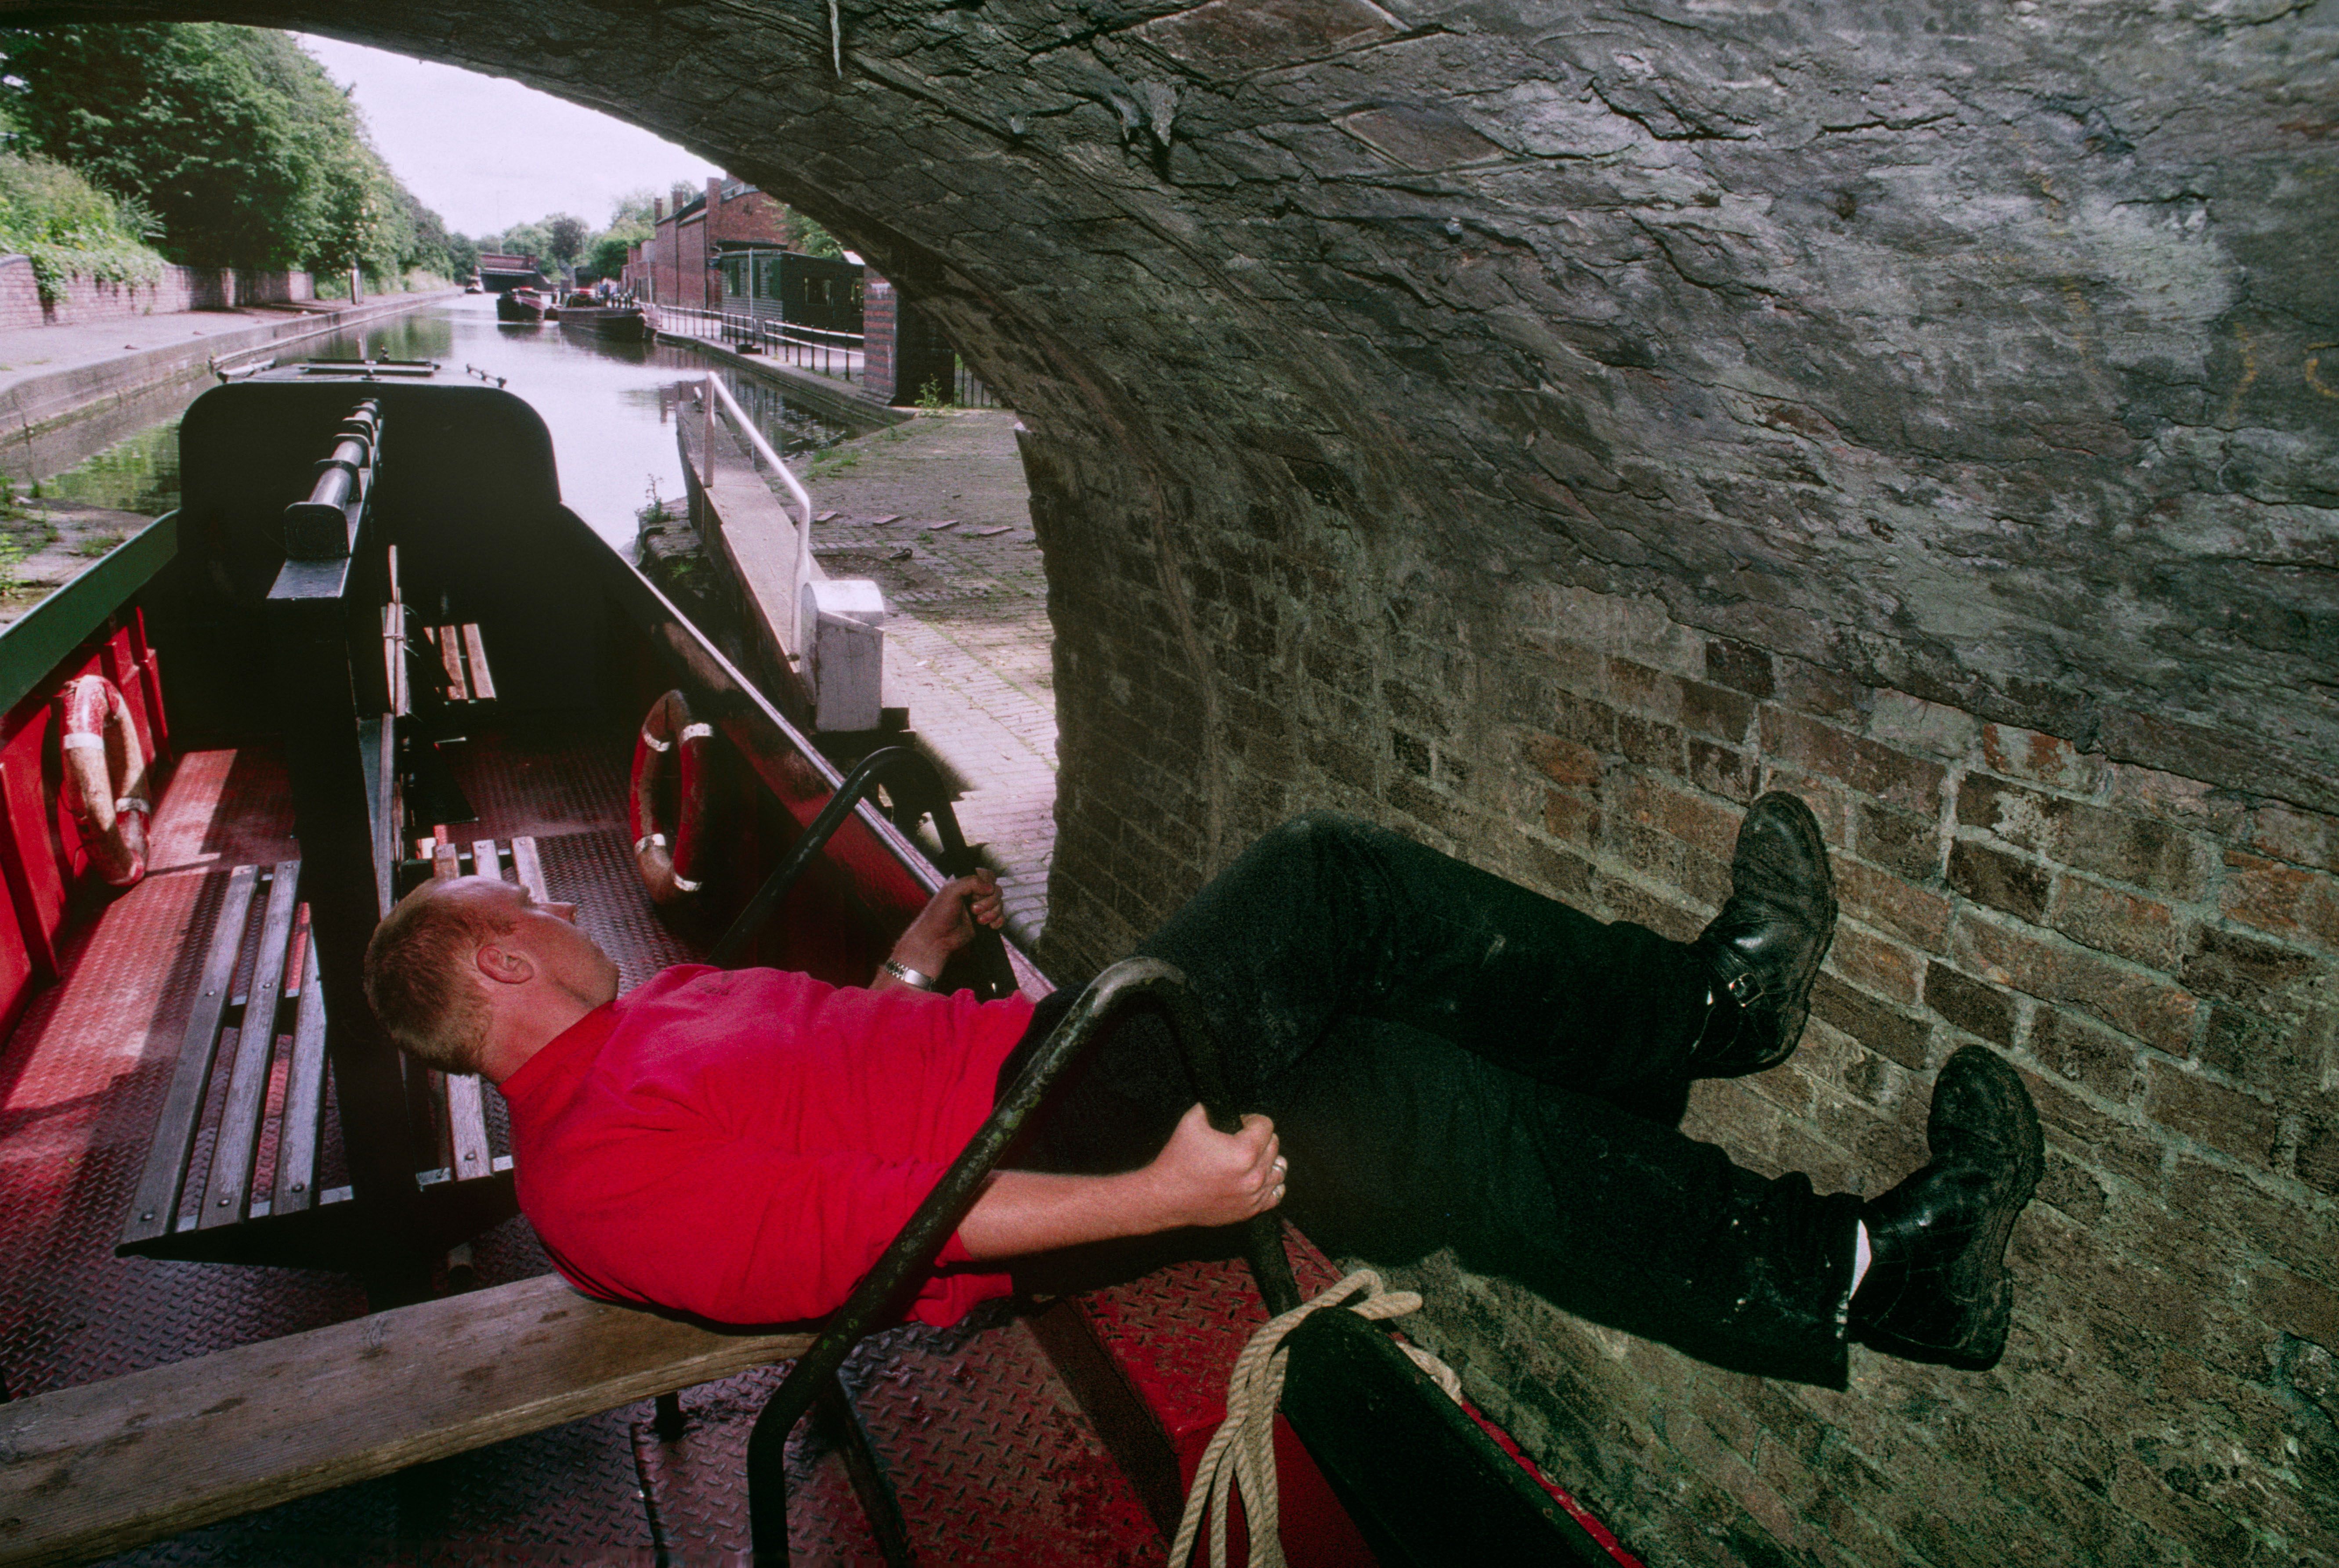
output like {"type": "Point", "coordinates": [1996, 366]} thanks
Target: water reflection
{"type": "Point", "coordinates": [137, 474]}
{"type": "Point", "coordinates": [600, 399]}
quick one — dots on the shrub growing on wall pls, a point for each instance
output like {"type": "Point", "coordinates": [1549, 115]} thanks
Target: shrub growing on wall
{"type": "Point", "coordinates": [69, 227]}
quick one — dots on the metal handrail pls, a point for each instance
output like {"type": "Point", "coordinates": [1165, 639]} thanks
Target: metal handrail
{"type": "Point", "coordinates": [882, 1291]}
{"type": "Point", "coordinates": [957, 859]}
{"type": "Point", "coordinates": [746, 427]}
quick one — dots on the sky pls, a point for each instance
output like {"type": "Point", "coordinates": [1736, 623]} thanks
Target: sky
{"type": "Point", "coordinates": [485, 152]}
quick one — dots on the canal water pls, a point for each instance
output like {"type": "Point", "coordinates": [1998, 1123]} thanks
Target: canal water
{"type": "Point", "coordinates": [606, 402]}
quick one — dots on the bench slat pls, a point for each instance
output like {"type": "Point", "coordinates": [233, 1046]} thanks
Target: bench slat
{"type": "Point", "coordinates": [97, 1469]}
{"type": "Point", "coordinates": [393, 656]}
{"type": "Point", "coordinates": [237, 1146]}
{"type": "Point", "coordinates": [157, 1203]}
{"type": "Point", "coordinates": [529, 868]}
{"type": "Point", "coordinates": [483, 684]}
{"type": "Point", "coordinates": [449, 641]}
{"type": "Point", "coordinates": [467, 1118]}
{"type": "Point", "coordinates": [304, 1097]}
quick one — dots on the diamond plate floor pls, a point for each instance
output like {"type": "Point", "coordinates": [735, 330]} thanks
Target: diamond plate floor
{"type": "Point", "coordinates": [996, 1465]}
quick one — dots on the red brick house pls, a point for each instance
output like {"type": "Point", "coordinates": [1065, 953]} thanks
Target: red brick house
{"type": "Point", "coordinates": [675, 265]}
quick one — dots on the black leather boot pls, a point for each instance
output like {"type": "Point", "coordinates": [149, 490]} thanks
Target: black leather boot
{"type": "Point", "coordinates": [1937, 1288]}
{"type": "Point", "coordinates": [1764, 950]}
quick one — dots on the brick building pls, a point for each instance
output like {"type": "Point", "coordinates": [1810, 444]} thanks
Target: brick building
{"type": "Point", "coordinates": [676, 265]}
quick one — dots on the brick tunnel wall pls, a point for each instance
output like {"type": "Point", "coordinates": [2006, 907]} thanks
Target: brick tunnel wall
{"type": "Point", "coordinates": [2153, 951]}
{"type": "Point", "coordinates": [1543, 427]}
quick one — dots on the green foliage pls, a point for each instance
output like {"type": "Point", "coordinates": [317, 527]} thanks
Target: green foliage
{"type": "Point", "coordinates": [632, 211]}
{"type": "Point", "coordinates": [652, 512]}
{"type": "Point", "coordinates": [629, 224]}
{"type": "Point", "coordinates": [523, 240]}
{"type": "Point", "coordinates": [930, 399]}
{"type": "Point", "coordinates": [812, 239]}
{"type": "Point", "coordinates": [233, 138]}
{"type": "Point", "coordinates": [564, 235]}
{"type": "Point", "coordinates": [606, 257]}
{"type": "Point", "coordinates": [69, 227]}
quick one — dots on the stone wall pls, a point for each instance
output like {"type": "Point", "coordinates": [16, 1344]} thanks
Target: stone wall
{"type": "Point", "coordinates": [1540, 427]}
{"type": "Point", "coordinates": [85, 299]}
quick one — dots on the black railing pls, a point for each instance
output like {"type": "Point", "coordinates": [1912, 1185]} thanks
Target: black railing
{"type": "Point", "coordinates": [883, 1291]}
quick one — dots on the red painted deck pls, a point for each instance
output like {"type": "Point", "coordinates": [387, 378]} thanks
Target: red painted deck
{"type": "Point", "coordinates": [994, 1463]}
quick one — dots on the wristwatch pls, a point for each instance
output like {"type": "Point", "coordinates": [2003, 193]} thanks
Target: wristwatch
{"type": "Point", "coordinates": [915, 979]}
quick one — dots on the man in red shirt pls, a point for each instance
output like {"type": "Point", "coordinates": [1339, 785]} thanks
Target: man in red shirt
{"type": "Point", "coordinates": [1449, 1060]}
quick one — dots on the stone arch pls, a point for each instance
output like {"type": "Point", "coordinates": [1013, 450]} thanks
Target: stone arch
{"type": "Point", "coordinates": [1541, 425]}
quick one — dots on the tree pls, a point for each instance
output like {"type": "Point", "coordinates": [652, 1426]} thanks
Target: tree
{"type": "Point", "coordinates": [632, 210]}
{"type": "Point", "coordinates": [525, 240]}
{"type": "Point", "coordinates": [564, 237]}
{"type": "Point", "coordinates": [630, 224]}
{"type": "Point", "coordinates": [236, 139]}
{"type": "Point", "coordinates": [812, 239]}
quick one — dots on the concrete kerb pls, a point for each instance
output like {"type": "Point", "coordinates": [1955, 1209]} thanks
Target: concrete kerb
{"type": "Point", "coordinates": [825, 395]}
{"type": "Point", "coordinates": [38, 406]}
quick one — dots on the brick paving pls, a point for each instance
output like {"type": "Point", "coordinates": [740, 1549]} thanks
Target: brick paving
{"type": "Point", "coordinates": [967, 649]}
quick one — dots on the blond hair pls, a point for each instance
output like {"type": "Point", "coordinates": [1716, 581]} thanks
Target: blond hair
{"type": "Point", "coordinates": [417, 970]}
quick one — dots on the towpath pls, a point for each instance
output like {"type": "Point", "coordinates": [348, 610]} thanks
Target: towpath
{"type": "Point", "coordinates": [30, 353]}
{"type": "Point", "coordinates": [967, 648]}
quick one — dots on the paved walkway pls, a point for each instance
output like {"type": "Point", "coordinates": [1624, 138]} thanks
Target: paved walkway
{"type": "Point", "coordinates": [31, 351]}
{"type": "Point", "coordinates": [967, 649]}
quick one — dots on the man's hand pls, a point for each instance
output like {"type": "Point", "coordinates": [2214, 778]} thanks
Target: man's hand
{"type": "Point", "coordinates": [1202, 1177]}
{"type": "Point", "coordinates": [947, 925]}
{"type": "Point", "coordinates": [1205, 1177]}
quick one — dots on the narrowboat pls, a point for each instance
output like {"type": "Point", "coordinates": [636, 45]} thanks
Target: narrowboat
{"type": "Point", "coordinates": [523, 305]}
{"type": "Point", "coordinates": [624, 320]}
{"type": "Point", "coordinates": [266, 1258]}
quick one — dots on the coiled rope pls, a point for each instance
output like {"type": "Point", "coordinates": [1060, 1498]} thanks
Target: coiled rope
{"type": "Point", "coordinates": [1242, 1451]}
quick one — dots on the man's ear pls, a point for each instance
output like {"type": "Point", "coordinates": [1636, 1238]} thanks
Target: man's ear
{"type": "Point", "coordinates": [503, 964]}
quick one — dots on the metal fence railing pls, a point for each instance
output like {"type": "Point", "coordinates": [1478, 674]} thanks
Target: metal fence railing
{"type": "Point", "coordinates": [814, 348]}
{"type": "Point", "coordinates": [968, 390]}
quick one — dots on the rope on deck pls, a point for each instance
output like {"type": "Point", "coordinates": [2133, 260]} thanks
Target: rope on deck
{"type": "Point", "coordinates": [1242, 1451]}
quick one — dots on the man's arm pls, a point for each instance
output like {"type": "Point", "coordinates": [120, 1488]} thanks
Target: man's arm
{"type": "Point", "coordinates": [945, 925]}
{"type": "Point", "coordinates": [1202, 1177]}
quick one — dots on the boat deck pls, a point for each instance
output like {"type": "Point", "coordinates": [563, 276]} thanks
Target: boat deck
{"type": "Point", "coordinates": [994, 1465]}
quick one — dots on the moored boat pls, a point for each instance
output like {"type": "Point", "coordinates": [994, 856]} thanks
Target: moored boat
{"type": "Point", "coordinates": [626, 320]}
{"type": "Point", "coordinates": [524, 304]}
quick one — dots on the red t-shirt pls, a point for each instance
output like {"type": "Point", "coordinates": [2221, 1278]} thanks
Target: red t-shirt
{"type": "Point", "coordinates": [742, 1145]}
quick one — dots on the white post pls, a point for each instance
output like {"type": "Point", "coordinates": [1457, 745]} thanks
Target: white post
{"type": "Point", "coordinates": [707, 458]}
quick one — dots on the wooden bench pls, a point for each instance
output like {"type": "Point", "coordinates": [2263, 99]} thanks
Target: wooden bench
{"type": "Point", "coordinates": [217, 1208]}
{"type": "Point", "coordinates": [445, 665]}
{"type": "Point", "coordinates": [460, 673]}
{"type": "Point", "coordinates": [100, 1468]}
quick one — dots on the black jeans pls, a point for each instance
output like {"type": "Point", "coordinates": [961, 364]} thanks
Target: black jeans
{"type": "Point", "coordinates": [1453, 1060]}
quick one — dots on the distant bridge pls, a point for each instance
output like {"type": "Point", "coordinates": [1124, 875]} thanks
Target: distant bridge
{"type": "Point", "coordinates": [500, 274]}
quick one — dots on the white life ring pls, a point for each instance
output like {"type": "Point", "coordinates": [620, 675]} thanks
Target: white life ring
{"type": "Point", "coordinates": [104, 777]}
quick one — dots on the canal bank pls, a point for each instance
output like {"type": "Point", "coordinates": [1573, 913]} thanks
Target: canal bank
{"type": "Point", "coordinates": [843, 402]}
{"type": "Point", "coordinates": [67, 392]}
{"type": "Point", "coordinates": [934, 510]}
